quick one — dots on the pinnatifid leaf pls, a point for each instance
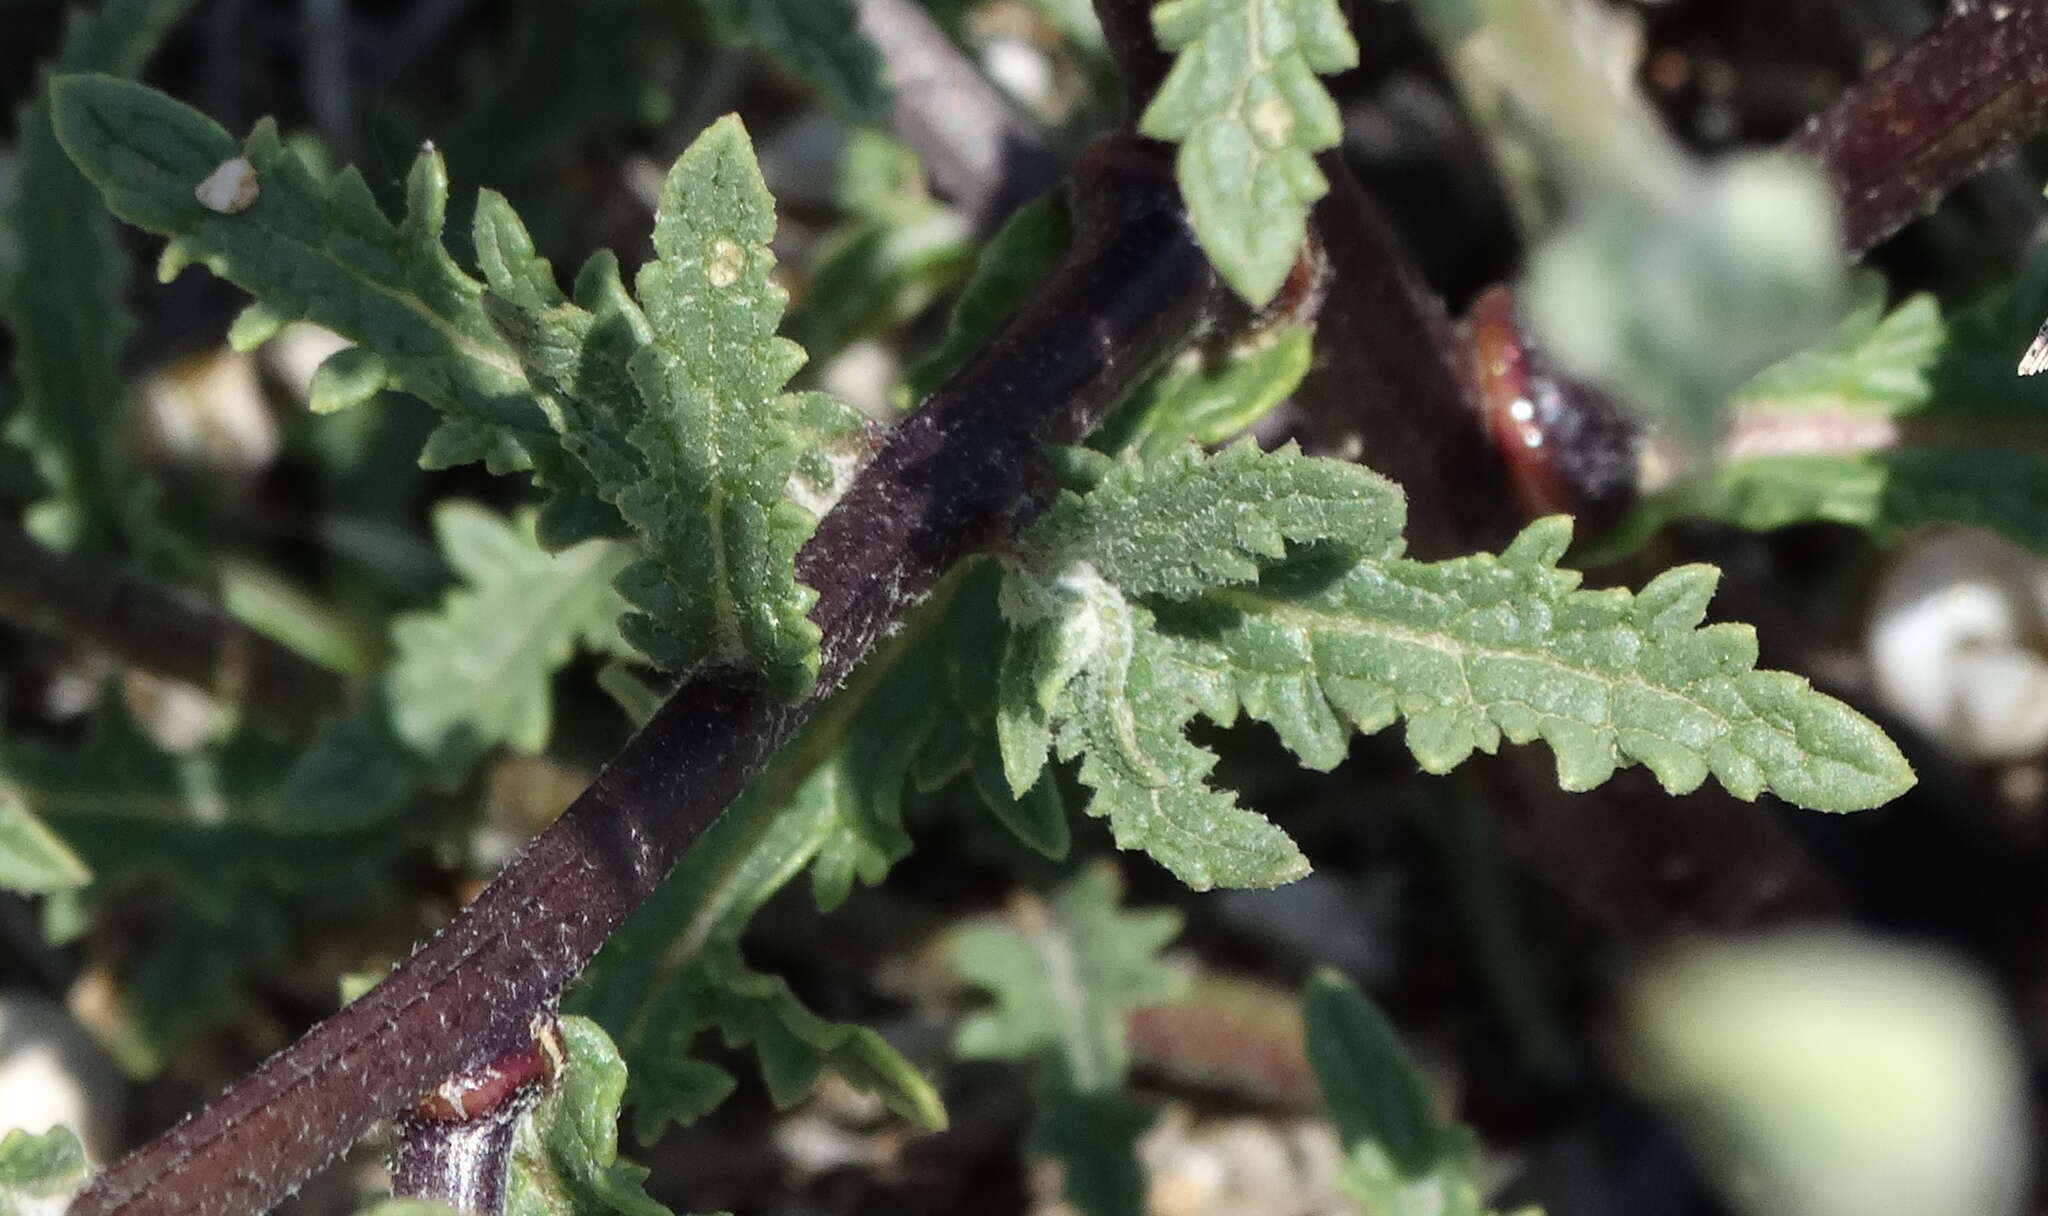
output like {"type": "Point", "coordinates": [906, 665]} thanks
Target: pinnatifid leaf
{"type": "Point", "coordinates": [1291, 603]}
{"type": "Point", "coordinates": [821, 41]}
{"type": "Point", "coordinates": [476, 672]}
{"type": "Point", "coordinates": [62, 299]}
{"type": "Point", "coordinates": [317, 247]}
{"type": "Point", "coordinates": [1065, 976]}
{"type": "Point", "coordinates": [1243, 102]}
{"type": "Point", "coordinates": [1186, 522]}
{"type": "Point", "coordinates": [720, 438]}
{"type": "Point", "coordinates": [1401, 1159]}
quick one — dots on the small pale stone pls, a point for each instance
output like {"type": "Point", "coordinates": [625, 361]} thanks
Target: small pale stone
{"type": "Point", "coordinates": [229, 188]}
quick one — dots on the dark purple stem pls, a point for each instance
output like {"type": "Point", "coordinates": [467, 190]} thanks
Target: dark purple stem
{"type": "Point", "coordinates": [952, 479]}
{"type": "Point", "coordinates": [1967, 93]}
{"type": "Point", "coordinates": [1143, 64]}
{"type": "Point", "coordinates": [978, 151]}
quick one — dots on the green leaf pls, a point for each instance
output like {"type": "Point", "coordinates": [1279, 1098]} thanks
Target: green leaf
{"type": "Point", "coordinates": [674, 970]}
{"type": "Point", "coordinates": [476, 672]}
{"type": "Point", "coordinates": [1065, 977]}
{"type": "Point", "coordinates": [720, 437]}
{"type": "Point", "coordinates": [1244, 103]}
{"type": "Point", "coordinates": [1402, 1160]}
{"type": "Point", "coordinates": [1922, 438]}
{"type": "Point", "coordinates": [225, 861]}
{"type": "Point", "coordinates": [1186, 522]}
{"type": "Point", "coordinates": [1094, 1137]}
{"type": "Point", "coordinates": [317, 247]}
{"type": "Point", "coordinates": [1273, 585]}
{"type": "Point", "coordinates": [1874, 361]}
{"type": "Point", "coordinates": [408, 1207]}
{"type": "Point", "coordinates": [565, 1153]}
{"type": "Point", "coordinates": [63, 301]}
{"type": "Point", "coordinates": [1205, 397]}
{"type": "Point", "coordinates": [33, 859]}
{"type": "Point", "coordinates": [37, 1167]}
{"type": "Point", "coordinates": [889, 261]}
{"type": "Point", "coordinates": [822, 42]}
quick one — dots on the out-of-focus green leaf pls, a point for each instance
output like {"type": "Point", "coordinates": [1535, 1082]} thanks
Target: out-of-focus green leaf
{"type": "Point", "coordinates": [1023, 251]}
{"type": "Point", "coordinates": [39, 1169]}
{"type": "Point", "coordinates": [475, 672]}
{"type": "Point", "coordinates": [1828, 1076]}
{"type": "Point", "coordinates": [1065, 978]}
{"type": "Point", "coordinates": [33, 859]}
{"type": "Point", "coordinates": [1892, 423]}
{"type": "Point", "coordinates": [1249, 114]}
{"type": "Point", "coordinates": [821, 41]}
{"type": "Point", "coordinates": [62, 301]}
{"type": "Point", "coordinates": [894, 255]}
{"type": "Point", "coordinates": [1401, 1159]}
{"type": "Point", "coordinates": [1094, 1137]}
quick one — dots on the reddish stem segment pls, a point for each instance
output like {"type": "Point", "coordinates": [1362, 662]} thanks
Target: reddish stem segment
{"type": "Point", "coordinates": [1964, 95]}
{"type": "Point", "coordinates": [455, 1145]}
{"type": "Point", "coordinates": [950, 480]}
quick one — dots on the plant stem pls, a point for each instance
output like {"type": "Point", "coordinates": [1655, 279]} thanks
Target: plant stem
{"type": "Point", "coordinates": [159, 630]}
{"type": "Point", "coordinates": [1959, 98]}
{"type": "Point", "coordinates": [954, 478]}
{"type": "Point", "coordinates": [1140, 60]}
{"type": "Point", "coordinates": [979, 152]}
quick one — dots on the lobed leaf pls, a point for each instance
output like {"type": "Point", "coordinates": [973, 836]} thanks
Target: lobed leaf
{"type": "Point", "coordinates": [63, 300]}
{"type": "Point", "coordinates": [673, 971]}
{"type": "Point", "coordinates": [703, 459]}
{"type": "Point", "coordinates": [1186, 522]}
{"type": "Point", "coordinates": [1065, 978]}
{"type": "Point", "coordinates": [1093, 1134]}
{"type": "Point", "coordinates": [1288, 601]}
{"type": "Point", "coordinates": [476, 672]}
{"type": "Point", "coordinates": [1243, 102]}
{"type": "Point", "coordinates": [317, 247]}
